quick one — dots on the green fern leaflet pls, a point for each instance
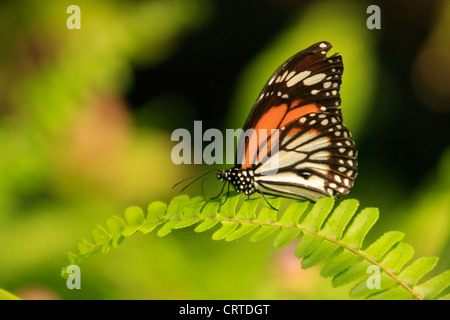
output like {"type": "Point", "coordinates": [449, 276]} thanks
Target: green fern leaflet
{"type": "Point", "coordinates": [328, 234]}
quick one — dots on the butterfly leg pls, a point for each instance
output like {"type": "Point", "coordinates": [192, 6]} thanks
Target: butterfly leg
{"type": "Point", "coordinates": [220, 193]}
{"type": "Point", "coordinates": [228, 193]}
{"type": "Point", "coordinates": [261, 193]}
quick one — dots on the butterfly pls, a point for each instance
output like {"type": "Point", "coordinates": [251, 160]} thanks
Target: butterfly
{"type": "Point", "coordinates": [299, 108]}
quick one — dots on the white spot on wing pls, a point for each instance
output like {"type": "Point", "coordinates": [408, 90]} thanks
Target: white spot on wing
{"type": "Point", "coordinates": [304, 137]}
{"type": "Point", "coordinates": [314, 79]}
{"type": "Point", "coordinates": [285, 159]}
{"type": "Point", "coordinates": [297, 78]}
{"type": "Point", "coordinates": [290, 75]}
{"type": "Point", "coordinates": [315, 144]}
{"type": "Point", "coordinates": [321, 155]}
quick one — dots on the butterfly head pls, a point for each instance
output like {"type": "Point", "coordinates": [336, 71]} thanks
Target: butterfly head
{"type": "Point", "coordinates": [241, 179]}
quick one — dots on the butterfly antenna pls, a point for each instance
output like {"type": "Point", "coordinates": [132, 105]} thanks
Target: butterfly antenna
{"type": "Point", "coordinates": [190, 177]}
{"type": "Point", "coordinates": [189, 184]}
{"type": "Point", "coordinates": [260, 192]}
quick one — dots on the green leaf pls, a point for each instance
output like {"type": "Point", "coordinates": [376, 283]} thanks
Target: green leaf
{"type": "Point", "coordinates": [398, 257]}
{"type": "Point", "coordinates": [84, 246]}
{"type": "Point", "coordinates": [308, 243]}
{"type": "Point", "coordinates": [339, 219]}
{"type": "Point", "coordinates": [363, 290]}
{"type": "Point", "coordinates": [267, 214]}
{"type": "Point", "coordinates": [323, 239]}
{"type": "Point", "coordinates": [293, 213]}
{"type": "Point", "coordinates": [116, 226]}
{"type": "Point", "coordinates": [134, 217]}
{"type": "Point", "coordinates": [242, 231]}
{"type": "Point", "coordinates": [184, 224]}
{"type": "Point", "coordinates": [323, 251]}
{"type": "Point", "coordinates": [192, 209]}
{"type": "Point", "coordinates": [206, 225]}
{"type": "Point", "coordinates": [360, 226]}
{"type": "Point", "coordinates": [228, 209]}
{"type": "Point", "coordinates": [380, 247]}
{"type": "Point", "coordinates": [176, 206]}
{"type": "Point", "coordinates": [396, 293]}
{"type": "Point", "coordinates": [285, 236]}
{"type": "Point", "coordinates": [155, 216]}
{"type": "Point", "coordinates": [340, 263]}
{"type": "Point", "coordinates": [167, 228]}
{"type": "Point", "coordinates": [247, 211]}
{"type": "Point", "coordinates": [263, 232]}
{"type": "Point", "coordinates": [210, 210]}
{"type": "Point", "coordinates": [431, 288]}
{"type": "Point", "coordinates": [314, 220]}
{"type": "Point", "coordinates": [351, 274]}
{"type": "Point", "coordinates": [226, 229]}
{"type": "Point", "coordinates": [156, 211]}
{"type": "Point", "coordinates": [414, 272]}
{"type": "Point", "coordinates": [101, 237]}
{"type": "Point", "coordinates": [146, 227]}
{"type": "Point", "coordinates": [446, 297]}
{"type": "Point", "coordinates": [190, 214]}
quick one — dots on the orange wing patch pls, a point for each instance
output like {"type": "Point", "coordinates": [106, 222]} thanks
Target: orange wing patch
{"type": "Point", "coordinates": [299, 112]}
{"type": "Point", "coordinates": [274, 118]}
{"type": "Point", "coordinates": [270, 120]}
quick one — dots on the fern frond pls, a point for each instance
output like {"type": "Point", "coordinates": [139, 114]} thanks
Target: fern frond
{"type": "Point", "coordinates": [333, 237]}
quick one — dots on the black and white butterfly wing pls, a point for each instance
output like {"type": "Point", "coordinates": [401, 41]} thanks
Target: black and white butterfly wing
{"type": "Point", "coordinates": [309, 153]}
{"type": "Point", "coordinates": [316, 158]}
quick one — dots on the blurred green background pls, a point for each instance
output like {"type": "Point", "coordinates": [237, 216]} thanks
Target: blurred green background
{"type": "Point", "coordinates": [86, 118]}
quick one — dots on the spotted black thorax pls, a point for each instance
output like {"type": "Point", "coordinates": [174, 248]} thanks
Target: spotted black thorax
{"type": "Point", "coordinates": [241, 179]}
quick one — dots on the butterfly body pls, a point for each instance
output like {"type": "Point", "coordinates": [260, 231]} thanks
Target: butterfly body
{"type": "Point", "coordinates": [298, 111]}
{"type": "Point", "coordinates": [241, 179]}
